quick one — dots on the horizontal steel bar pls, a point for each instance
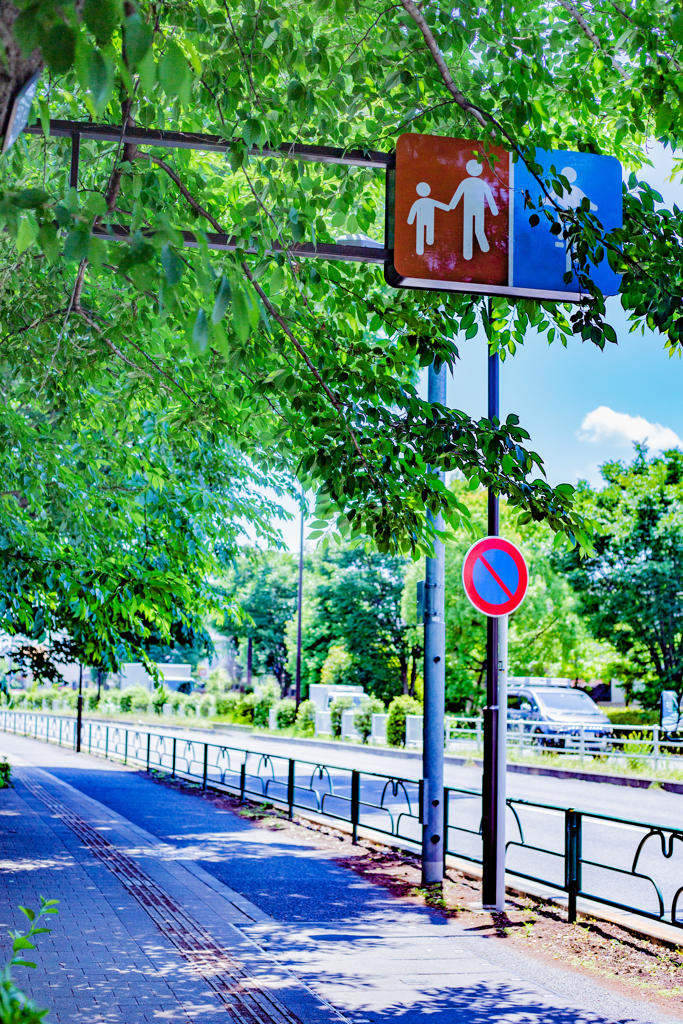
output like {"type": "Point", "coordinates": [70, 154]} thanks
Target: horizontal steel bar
{"type": "Point", "coordinates": [306, 250]}
{"type": "Point", "coordinates": [211, 143]}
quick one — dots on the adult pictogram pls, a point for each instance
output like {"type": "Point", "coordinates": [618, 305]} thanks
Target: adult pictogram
{"type": "Point", "coordinates": [495, 576]}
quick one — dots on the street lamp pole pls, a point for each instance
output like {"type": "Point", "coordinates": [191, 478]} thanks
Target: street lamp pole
{"type": "Point", "coordinates": [433, 838]}
{"type": "Point", "coordinates": [300, 599]}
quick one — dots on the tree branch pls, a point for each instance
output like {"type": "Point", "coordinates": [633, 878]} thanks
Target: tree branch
{"type": "Point", "coordinates": [184, 191]}
{"type": "Point", "coordinates": [590, 34]}
{"type": "Point", "coordinates": [459, 97]}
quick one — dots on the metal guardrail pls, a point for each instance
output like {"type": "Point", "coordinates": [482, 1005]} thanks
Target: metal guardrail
{"type": "Point", "coordinates": [630, 865]}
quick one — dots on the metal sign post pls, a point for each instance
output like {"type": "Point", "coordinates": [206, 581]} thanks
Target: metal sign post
{"type": "Point", "coordinates": [433, 839]}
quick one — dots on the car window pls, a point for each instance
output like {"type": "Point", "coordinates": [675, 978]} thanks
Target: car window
{"type": "Point", "coordinates": [568, 700]}
{"type": "Point", "coordinates": [513, 701]}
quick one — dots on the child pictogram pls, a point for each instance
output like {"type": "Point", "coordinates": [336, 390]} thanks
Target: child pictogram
{"type": "Point", "coordinates": [422, 212]}
{"type": "Point", "coordinates": [475, 193]}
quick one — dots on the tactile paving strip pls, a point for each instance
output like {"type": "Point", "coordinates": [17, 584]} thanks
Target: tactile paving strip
{"type": "Point", "coordinates": [246, 1002]}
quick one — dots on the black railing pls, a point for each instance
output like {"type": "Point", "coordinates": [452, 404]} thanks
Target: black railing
{"type": "Point", "coordinates": [629, 865]}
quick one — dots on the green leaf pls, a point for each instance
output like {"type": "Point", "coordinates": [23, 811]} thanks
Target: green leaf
{"type": "Point", "coordinates": [21, 942]}
{"type": "Point", "coordinates": [174, 74]}
{"type": "Point", "coordinates": [665, 116]}
{"type": "Point", "coordinates": [277, 280]}
{"type": "Point", "coordinates": [100, 79]}
{"type": "Point", "coordinates": [251, 131]}
{"type": "Point", "coordinates": [200, 331]}
{"type": "Point", "coordinates": [27, 233]}
{"type": "Point", "coordinates": [147, 71]}
{"type": "Point", "coordinates": [137, 38]}
{"type": "Point", "coordinates": [76, 244]}
{"type": "Point", "coordinates": [240, 314]}
{"type": "Point", "coordinates": [22, 963]}
{"type": "Point", "coordinates": [172, 264]}
{"type": "Point", "coordinates": [102, 18]}
{"type": "Point", "coordinates": [222, 301]}
{"type": "Point", "coordinates": [49, 243]}
{"type": "Point", "coordinates": [95, 205]}
{"type": "Point", "coordinates": [59, 48]}
{"type": "Point", "coordinates": [677, 27]}
{"type": "Point", "coordinates": [30, 914]}
{"type": "Point", "coordinates": [28, 29]}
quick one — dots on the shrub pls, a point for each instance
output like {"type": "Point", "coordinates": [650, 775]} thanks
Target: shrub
{"type": "Point", "coordinates": [632, 716]}
{"type": "Point", "coordinates": [226, 704]}
{"type": "Point", "coordinates": [205, 707]}
{"type": "Point", "coordinates": [93, 700]}
{"type": "Point", "coordinates": [5, 773]}
{"type": "Point", "coordinates": [305, 719]}
{"type": "Point", "coordinates": [396, 722]}
{"type": "Point", "coordinates": [159, 698]}
{"type": "Point", "coordinates": [285, 713]}
{"type": "Point", "coordinates": [176, 701]}
{"type": "Point", "coordinates": [18, 698]}
{"type": "Point", "coordinates": [362, 719]}
{"type": "Point", "coordinates": [264, 699]}
{"type": "Point", "coordinates": [337, 708]}
{"type": "Point", "coordinates": [125, 701]}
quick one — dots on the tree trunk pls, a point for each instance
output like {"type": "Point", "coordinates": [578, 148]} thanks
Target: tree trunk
{"type": "Point", "coordinates": [15, 69]}
{"type": "Point", "coordinates": [404, 674]}
{"type": "Point", "coordinates": [249, 656]}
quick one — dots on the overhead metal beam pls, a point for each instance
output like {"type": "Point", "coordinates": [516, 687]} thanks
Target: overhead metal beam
{"type": "Point", "coordinates": [211, 143]}
{"type": "Point", "coordinates": [228, 243]}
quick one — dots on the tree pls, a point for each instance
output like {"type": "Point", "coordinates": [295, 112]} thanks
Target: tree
{"type": "Point", "coordinates": [264, 586]}
{"type": "Point", "coordinates": [353, 617]}
{"type": "Point", "coordinates": [631, 588]}
{"type": "Point", "coordinates": [107, 309]}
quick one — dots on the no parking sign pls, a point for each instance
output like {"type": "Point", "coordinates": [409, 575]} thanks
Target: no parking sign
{"type": "Point", "coordinates": [495, 576]}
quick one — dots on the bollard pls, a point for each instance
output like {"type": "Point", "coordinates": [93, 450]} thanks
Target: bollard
{"type": "Point", "coordinates": [355, 803]}
{"type": "Point", "coordinates": [243, 779]}
{"type": "Point", "coordinates": [173, 762]}
{"type": "Point", "coordinates": [290, 785]}
{"type": "Point", "coordinates": [149, 737]}
{"type": "Point", "coordinates": [206, 764]}
{"type": "Point", "coordinates": [125, 749]}
{"type": "Point", "coordinates": [106, 744]}
{"type": "Point", "coordinates": [572, 860]}
{"type": "Point", "coordinates": [445, 826]}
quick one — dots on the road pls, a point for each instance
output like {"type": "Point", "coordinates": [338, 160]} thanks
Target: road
{"type": "Point", "coordinates": [323, 782]}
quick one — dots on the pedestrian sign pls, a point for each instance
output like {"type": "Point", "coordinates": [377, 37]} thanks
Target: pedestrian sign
{"type": "Point", "coordinates": [495, 576]}
{"type": "Point", "coordinates": [458, 218]}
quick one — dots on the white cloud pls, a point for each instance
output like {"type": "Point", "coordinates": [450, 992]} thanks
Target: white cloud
{"type": "Point", "coordinates": [606, 426]}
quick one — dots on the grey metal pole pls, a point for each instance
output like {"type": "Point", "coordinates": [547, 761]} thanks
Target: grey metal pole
{"type": "Point", "coordinates": [434, 687]}
{"type": "Point", "coordinates": [300, 599]}
{"type": "Point", "coordinates": [502, 759]}
{"type": "Point", "coordinates": [495, 714]}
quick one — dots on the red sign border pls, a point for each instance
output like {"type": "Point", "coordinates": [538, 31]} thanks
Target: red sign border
{"type": "Point", "coordinates": [487, 544]}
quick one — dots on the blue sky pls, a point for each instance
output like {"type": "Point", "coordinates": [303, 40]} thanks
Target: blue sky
{"type": "Point", "coordinates": [582, 406]}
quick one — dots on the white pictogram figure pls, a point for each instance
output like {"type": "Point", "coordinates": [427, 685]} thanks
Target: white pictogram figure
{"type": "Point", "coordinates": [422, 212]}
{"type": "Point", "coordinates": [569, 201]}
{"type": "Point", "coordinates": [475, 194]}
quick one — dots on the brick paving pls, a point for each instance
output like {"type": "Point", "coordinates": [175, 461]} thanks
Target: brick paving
{"type": "Point", "coordinates": [127, 948]}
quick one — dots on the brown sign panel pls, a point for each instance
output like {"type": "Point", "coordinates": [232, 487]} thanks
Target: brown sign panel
{"type": "Point", "coordinates": [451, 213]}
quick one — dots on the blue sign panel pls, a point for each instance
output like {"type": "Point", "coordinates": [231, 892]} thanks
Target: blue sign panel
{"type": "Point", "coordinates": [539, 258]}
{"type": "Point", "coordinates": [495, 576]}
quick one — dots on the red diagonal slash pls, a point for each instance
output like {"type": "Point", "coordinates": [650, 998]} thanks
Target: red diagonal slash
{"type": "Point", "coordinates": [496, 577]}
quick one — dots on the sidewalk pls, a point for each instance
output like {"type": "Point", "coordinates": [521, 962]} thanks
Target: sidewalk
{"type": "Point", "coordinates": [174, 911]}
